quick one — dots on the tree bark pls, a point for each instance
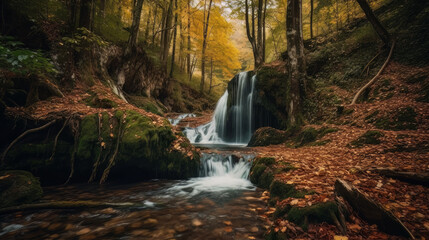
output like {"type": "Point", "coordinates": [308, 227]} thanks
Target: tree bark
{"type": "Point", "coordinates": [379, 29]}
{"type": "Point", "coordinates": [146, 35]}
{"type": "Point", "coordinates": [188, 56]}
{"type": "Point", "coordinates": [296, 60]}
{"type": "Point", "coordinates": [173, 55]}
{"type": "Point", "coordinates": [85, 14]}
{"type": "Point", "coordinates": [311, 18]}
{"type": "Point", "coordinates": [371, 211]}
{"type": "Point", "coordinates": [203, 51]}
{"type": "Point", "coordinates": [132, 39]}
{"type": "Point", "coordinates": [154, 25]}
{"type": "Point", "coordinates": [211, 74]}
{"type": "Point", "coordinates": [256, 35]}
{"type": "Point", "coordinates": [165, 37]}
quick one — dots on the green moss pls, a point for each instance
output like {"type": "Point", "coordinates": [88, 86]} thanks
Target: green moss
{"type": "Point", "coordinates": [282, 190]}
{"type": "Point", "coordinates": [325, 130]}
{"type": "Point", "coordinates": [268, 136]}
{"type": "Point", "coordinates": [307, 135]}
{"type": "Point", "coordinates": [369, 137]}
{"type": "Point", "coordinates": [256, 172]}
{"type": "Point", "coordinates": [266, 161]}
{"type": "Point", "coordinates": [266, 178]}
{"type": "Point", "coordinates": [317, 213]}
{"type": "Point", "coordinates": [18, 187]}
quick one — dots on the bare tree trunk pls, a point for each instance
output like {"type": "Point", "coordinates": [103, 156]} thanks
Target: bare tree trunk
{"type": "Point", "coordinates": [211, 74]}
{"type": "Point", "coordinates": [311, 18]}
{"type": "Point", "coordinates": [85, 14]}
{"type": "Point", "coordinates": [188, 57]}
{"type": "Point", "coordinates": [165, 43]}
{"type": "Point", "coordinates": [203, 52]}
{"type": "Point", "coordinates": [173, 55]}
{"type": "Point", "coordinates": [73, 14]}
{"type": "Point", "coordinates": [256, 35]}
{"type": "Point", "coordinates": [296, 60]}
{"type": "Point", "coordinates": [146, 34]}
{"type": "Point", "coordinates": [381, 31]}
{"type": "Point", "coordinates": [134, 31]}
{"type": "Point", "coordinates": [154, 25]}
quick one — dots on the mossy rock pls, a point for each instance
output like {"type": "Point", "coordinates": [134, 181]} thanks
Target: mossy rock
{"type": "Point", "coordinates": [317, 213]}
{"type": "Point", "coordinates": [266, 136]}
{"type": "Point", "coordinates": [267, 161]}
{"type": "Point", "coordinates": [18, 187]}
{"type": "Point", "coordinates": [403, 119]}
{"type": "Point", "coordinates": [256, 171]}
{"type": "Point", "coordinates": [306, 136]}
{"type": "Point", "coordinates": [369, 137]}
{"type": "Point", "coordinates": [282, 190]}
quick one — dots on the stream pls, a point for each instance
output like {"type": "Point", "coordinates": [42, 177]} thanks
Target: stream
{"type": "Point", "coordinates": [220, 204]}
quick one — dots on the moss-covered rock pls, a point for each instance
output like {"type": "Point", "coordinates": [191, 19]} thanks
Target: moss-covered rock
{"type": "Point", "coordinates": [282, 190]}
{"type": "Point", "coordinates": [403, 119]}
{"type": "Point", "coordinates": [266, 136]}
{"type": "Point", "coordinates": [18, 187]}
{"type": "Point", "coordinates": [318, 213]}
{"type": "Point", "coordinates": [369, 137]}
{"type": "Point", "coordinates": [144, 150]}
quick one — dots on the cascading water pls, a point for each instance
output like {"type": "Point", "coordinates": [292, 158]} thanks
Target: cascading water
{"type": "Point", "coordinates": [218, 173]}
{"type": "Point", "coordinates": [233, 120]}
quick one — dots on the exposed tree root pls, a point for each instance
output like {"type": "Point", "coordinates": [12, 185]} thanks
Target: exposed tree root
{"type": "Point", "coordinates": [56, 140]}
{"type": "Point", "coordinates": [367, 65]}
{"type": "Point", "coordinates": [375, 77]}
{"type": "Point", "coordinates": [23, 135]}
{"type": "Point", "coordinates": [75, 129]}
{"type": "Point", "coordinates": [411, 177]}
{"type": "Point", "coordinates": [113, 157]}
{"type": "Point", "coordinates": [337, 223]}
{"type": "Point", "coordinates": [371, 211]}
{"type": "Point", "coordinates": [97, 162]}
{"type": "Point", "coordinates": [64, 205]}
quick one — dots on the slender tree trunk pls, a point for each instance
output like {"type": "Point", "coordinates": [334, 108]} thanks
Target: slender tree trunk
{"type": "Point", "coordinates": [256, 34]}
{"type": "Point", "coordinates": [173, 55]}
{"type": "Point", "coordinates": [154, 25]}
{"type": "Point", "coordinates": [134, 31]}
{"type": "Point", "coordinates": [211, 75]}
{"type": "Point", "coordinates": [296, 60]}
{"type": "Point", "coordinates": [203, 51]}
{"type": "Point", "coordinates": [188, 56]}
{"type": "Point", "coordinates": [166, 37]}
{"type": "Point", "coordinates": [381, 31]}
{"type": "Point", "coordinates": [85, 14]}
{"type": "Point", "coordinates": [73, 14]}
{"type": "Point", "coordinates": [311, 17]}
{"type": "Point", "coordinates": [146, 34]}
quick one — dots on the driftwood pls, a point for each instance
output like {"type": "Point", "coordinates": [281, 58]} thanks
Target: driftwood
{"type": "Point", "coordinates": [64, 205]}
{"type": "Point", "coordinates": [23, 135]}
{"type": "Point", "coordinates": [375, 77]}
{"type": "Point", "coordinates": [371, 211]}
{"type": "Point", "coordinates": [411, 177]}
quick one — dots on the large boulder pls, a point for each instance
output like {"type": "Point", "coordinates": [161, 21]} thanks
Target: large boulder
{"type": "Point", "coordinates": [266, 136]}
{"type": "Point", "coordinates": [18, 187]}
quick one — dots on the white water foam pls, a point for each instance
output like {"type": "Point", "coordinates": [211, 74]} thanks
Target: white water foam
{"type": "Point", "coordinates": [217, 173]}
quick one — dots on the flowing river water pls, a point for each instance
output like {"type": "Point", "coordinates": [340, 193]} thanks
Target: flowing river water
{"type": "Point", "coordinates": [219, 204]}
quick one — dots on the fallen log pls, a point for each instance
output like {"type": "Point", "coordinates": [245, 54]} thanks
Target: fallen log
{"type": "Point", "coordinates": [64, 205]}
{"type": "Point", "coordinates": [371, 211]}
{"type": "Point", "coordinates": [410, 177]}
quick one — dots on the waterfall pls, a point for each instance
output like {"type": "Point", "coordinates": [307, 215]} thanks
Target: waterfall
{"type": "Point", "coordinates": [218, 173]}
{"type": "Point", "coordinates": [233, 120]}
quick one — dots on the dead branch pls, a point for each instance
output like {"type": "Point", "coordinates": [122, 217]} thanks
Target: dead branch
{"type": "Point", "coordinates": [23, 135]}
{"type": "Point", "coordinates": [375, 77]}
{"type": "Point", "coordinates": [56, 140]}
{"type": "Point", "coordinates": [371, 211]}
{"type": "Point", "coordinates": [64, 205]}
{"type": "Point", "coordinates": [411, 177]}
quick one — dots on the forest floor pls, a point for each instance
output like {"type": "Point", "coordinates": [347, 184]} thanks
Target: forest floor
{"type": "Point", "coordinates": [318, 167]}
